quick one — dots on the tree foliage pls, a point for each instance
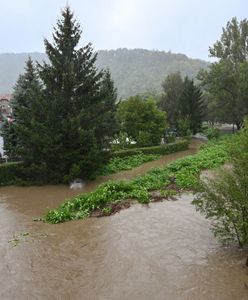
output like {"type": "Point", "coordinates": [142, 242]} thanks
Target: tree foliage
{"type": "Point", "coordinates": [134, 71]}
{"type": "Point", "coordinates": [183, 102]}
{"type": "Point", "coordinates": [142, 120]}
{"type": "Point", "coordinates": [67, 125]}
{"type": "Point", "coordinates": [20, 136]}
{"type": "Point", "coordinates": [191, 105]}
{"type": "Point", "coordinates": [172, 91]}
{"type": "Point", "coordinates": [233, 44]}
{"type": "Point", "coordinates": [226, 81]}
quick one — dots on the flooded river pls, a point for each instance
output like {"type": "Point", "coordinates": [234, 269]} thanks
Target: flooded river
{"type": "Point", "coordinates": [164, 251]}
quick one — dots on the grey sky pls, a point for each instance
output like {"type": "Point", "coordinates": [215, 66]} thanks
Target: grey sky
{"type": "Point", "coordinates": [181, 26]}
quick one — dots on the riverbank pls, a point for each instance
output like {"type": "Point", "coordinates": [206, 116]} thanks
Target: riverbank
{"type": "Point", "coordinates": [181, 174]}
{"type": "Point", "coordinates": [166, 249]}
{"type": "Point", "coordinates": [17, 173]}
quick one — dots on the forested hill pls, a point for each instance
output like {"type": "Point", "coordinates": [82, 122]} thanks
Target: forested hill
{"type": "Point", "coordinates": [134, 71]}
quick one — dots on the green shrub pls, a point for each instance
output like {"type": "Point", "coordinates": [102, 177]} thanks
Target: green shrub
{"type": "Point", "coordinates": [224, 198]}
{"type": "Point", "coordinates": [16, 173]}
{"type": "Point", "coordinates": [9, 173]}
{"type": "Point", "coordinates": [183, 127]}
{"type": "Point", "coordinates": [170, 139]}
{"type": "Point", "coordinates": [211, 133]}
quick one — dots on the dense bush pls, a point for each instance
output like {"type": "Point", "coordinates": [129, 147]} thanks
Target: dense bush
{"type": "Point", "coordinates": [224, 198]}
{"type": "Point", "coordinates": [211, 132]}
{"type": "Point", "coordinates": [9, 172]}
{"type": "Point", "coordinates": [17, 173]}
{"type": "Point", "coordinates": [183, 172]}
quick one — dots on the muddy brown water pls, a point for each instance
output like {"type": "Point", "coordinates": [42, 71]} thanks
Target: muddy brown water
{"type": "Point", "coordinates": [161, 251]}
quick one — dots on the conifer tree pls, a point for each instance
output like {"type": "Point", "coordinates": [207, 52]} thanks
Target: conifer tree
{"type": "Point", "coordinates": [172, 91]}
{"type": "Point", "coordinates": [77, 107]}
{"type": "Point", "coordinates": [19, 135]}
{"type": "Point", "coordinates": [191, 105]}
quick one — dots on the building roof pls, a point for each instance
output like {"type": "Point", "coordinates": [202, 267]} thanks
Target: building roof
{"type": "Point", "coordinates": [5, 97]}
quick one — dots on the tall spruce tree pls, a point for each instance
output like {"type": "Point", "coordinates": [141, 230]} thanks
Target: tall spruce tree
{"type": "Point", "coordinates": [77, 108]}
{"type": "Point", "coordinates": [191, 105]}
{"type": "Point", "coordinates": [80, 102]}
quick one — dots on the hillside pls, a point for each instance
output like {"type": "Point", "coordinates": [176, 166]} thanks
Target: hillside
{"type": "Point", "coordinates": [134, 71]}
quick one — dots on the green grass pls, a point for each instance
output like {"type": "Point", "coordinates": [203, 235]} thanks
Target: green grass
{"type": "Point", "coordinates": [183, 172]}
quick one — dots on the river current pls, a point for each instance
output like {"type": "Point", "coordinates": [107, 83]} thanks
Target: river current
{"type": "Point", "coordinates": [161, 251]}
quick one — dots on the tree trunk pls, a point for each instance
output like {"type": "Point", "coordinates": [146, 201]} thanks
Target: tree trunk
{"type": "Point", "coordinates": [246, 262]}
{"type": "Point", "coordinates": [238, 125]}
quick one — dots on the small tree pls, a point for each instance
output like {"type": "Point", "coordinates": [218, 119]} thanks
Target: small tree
{"type": "Point", "coordinates": [224, 199]}
{"type": "Point", "coordinates": [142, 120]}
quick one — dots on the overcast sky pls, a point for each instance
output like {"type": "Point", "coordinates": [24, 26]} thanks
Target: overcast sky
{"type": "Point", "coordinates": [181, 26]}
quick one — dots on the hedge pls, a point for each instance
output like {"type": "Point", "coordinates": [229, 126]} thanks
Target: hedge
{"type": "Point", "coordinates": [13, 173]}
{"type": "Point", "coordinates": [161, 149]}
{"type": "Point", "coordinates": [9, 173]}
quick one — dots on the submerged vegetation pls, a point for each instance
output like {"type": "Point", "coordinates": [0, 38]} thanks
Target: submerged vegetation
{"type": "Point", "coordinates": [127, 163]}
{"type": "Point", "coordinates": [183, 173]}
{"type": "Point", "coordinates": [131, 158]}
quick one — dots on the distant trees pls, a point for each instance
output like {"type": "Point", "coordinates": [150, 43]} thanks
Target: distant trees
{"type": "Point", "coordinates": [172, 91]}
{"type": "Point", "coordinates": [226, 82]}
{"type": "Point", "coordinates": [134, 71]}
{"type": "Point", "coordinates": [183, 103]}
{"type": "Point", "coordinates": [191, 106]}
{"type": "Point", "coordinates": [64, 109]}
{"type": "Point", "coordinates": [142, 120]}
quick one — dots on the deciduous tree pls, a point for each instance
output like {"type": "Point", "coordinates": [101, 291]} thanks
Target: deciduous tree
{"type": "Point", "coordinates": [224, 198]}
{"type": "Point", "coordinates": [142, 120]}
{"type": "Point", "coordinates": [226, 81]}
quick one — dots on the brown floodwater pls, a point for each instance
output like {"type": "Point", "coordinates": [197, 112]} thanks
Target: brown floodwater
{"type": "Point", "coordinates": [161, 251]}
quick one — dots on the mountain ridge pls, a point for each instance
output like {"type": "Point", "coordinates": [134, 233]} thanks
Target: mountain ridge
{"type": "Point", "coordinates": [134, 71]}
